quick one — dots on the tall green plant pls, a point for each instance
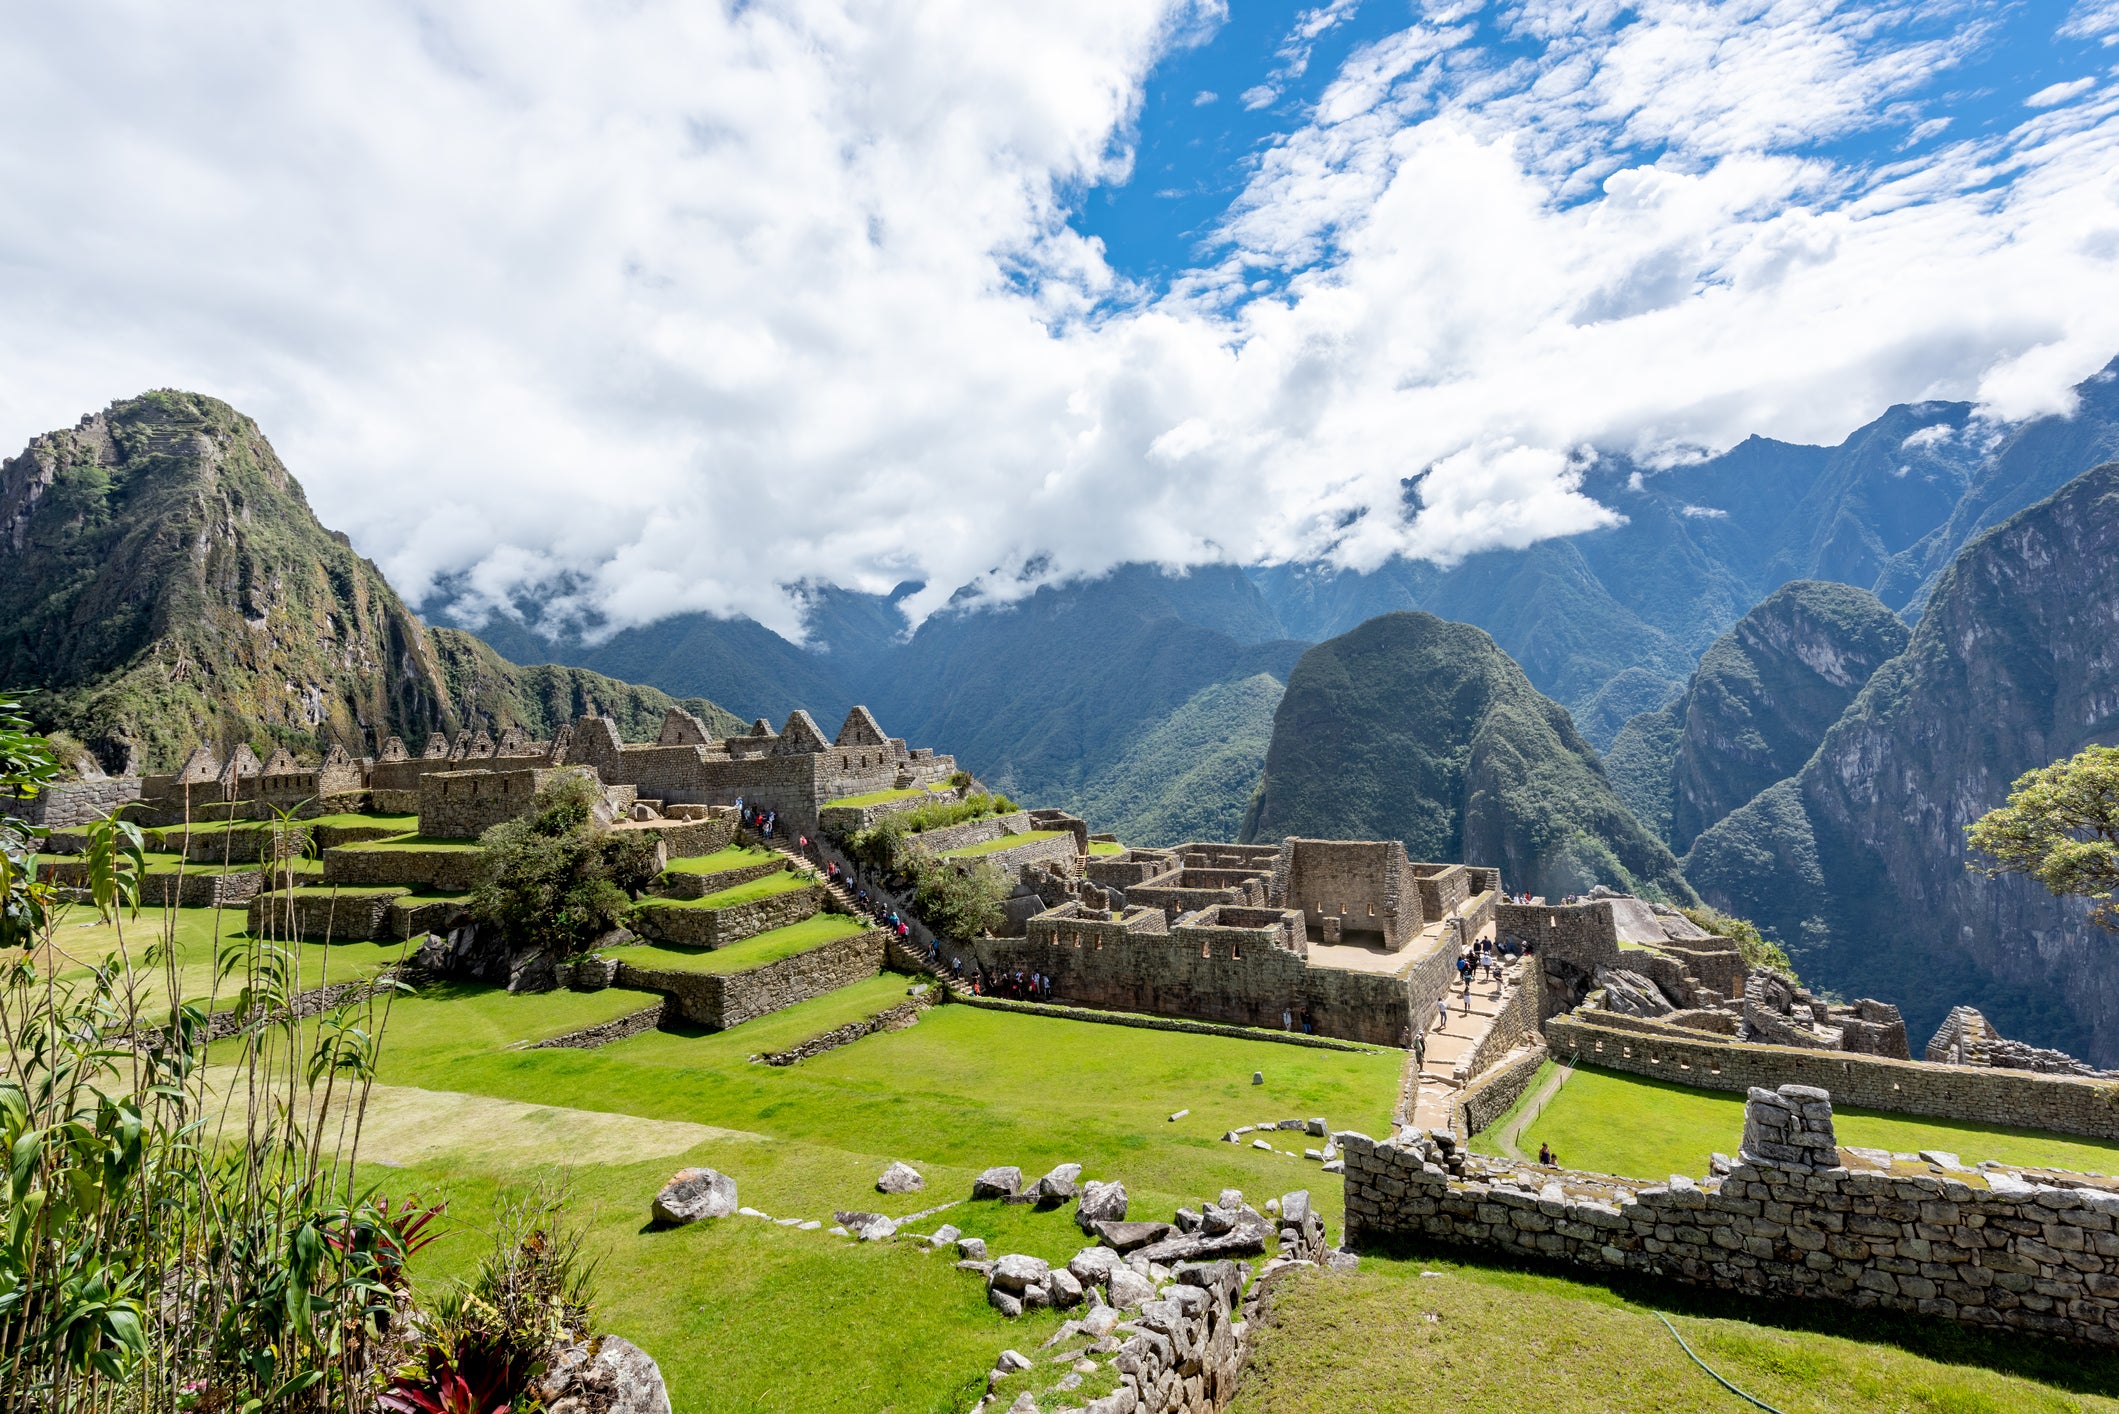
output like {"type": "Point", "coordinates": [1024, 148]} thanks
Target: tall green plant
{"type": "Point", "coordinates": [555, 879]}
{"type": "Point", "coordinates": [181, 1226]}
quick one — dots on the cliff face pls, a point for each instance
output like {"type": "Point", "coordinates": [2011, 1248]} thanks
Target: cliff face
{"type": "Point", "coordinates": [1414, 728]}
{"type": "Point", "coordinates": [1857, 862]}
{"type": "Point", "coordinates": [163, 580]}
{"type": "Point", "coordinates": [1763, 697]}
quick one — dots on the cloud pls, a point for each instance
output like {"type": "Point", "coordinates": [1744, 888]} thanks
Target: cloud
{"type": "Point", "coordinates": [2056, 93]}
{"type": "Point", "coordinates": [2092, 19]}
{"type": "Point", "coordinates": [1258, 96]}
{"type": "Point", "coordinates": [666, 307]}
{"type": "Point", "coordinates": [1205, 96]}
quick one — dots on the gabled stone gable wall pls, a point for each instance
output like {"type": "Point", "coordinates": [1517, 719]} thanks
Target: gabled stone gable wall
{"type": "Point", "coordinates": [1369, 885]}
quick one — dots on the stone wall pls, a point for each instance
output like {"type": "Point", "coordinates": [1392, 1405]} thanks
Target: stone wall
{"type": "Point", "coordinates": [590, 1037]}
{"type": "Point", "coordinates": [1490, 1094]}
{"type": "Point", "coordinates": [199, 888]}
{"type": "Point", "coordinates": [1443, 889]}
{"type": "Point", "coordinates": [1986, 1249]}
{"type": "Point", "coordinates": [718, 1001]}
{"type": "Point", "coordinates": [687, 838]}
{"type": "Point", "coordinates": [70, 804]}
{"type": "Point", "coordinates": [1057, 849]}
{"type": "Point", "coordinates": [972, 832]}
{"type": "Point", "coordinates": [897, 1018]}
{"type": "Point", "coordinates": [1188, 1349]}
{"type": "Point", "coordinates": [1368, 885]}
{"type": "Point", "coordinates": [336, 917]}
{"type": "Point", "coordinates": [412, 917]}
{"type": "Point", "coordinates": [1515, 1023]}
{"type": "Point", "coordinates": [1571, 944]}
{"type": "Point", "coordinates": [683, 884]}
{"type": "Point", "coordinates": [2019, 1099]}
{"type": "Point", "coordinates": [718, 927]}
{"type": "Point", "coordinates": [464, 804]}
{"type": "Point", "coordinates": [435, 870]}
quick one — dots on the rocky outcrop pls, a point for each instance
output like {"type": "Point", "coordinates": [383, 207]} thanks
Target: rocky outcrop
{"type": "Point", "coordinates": [1857, 863]}
{"type": "Point", "coordinates": [694, 1194]}
{"type": "Point", "coordinates": [603, 1375]}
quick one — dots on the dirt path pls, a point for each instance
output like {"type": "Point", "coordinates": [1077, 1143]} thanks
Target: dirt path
{"type": "Point", "coordinates": [1506, 1139]}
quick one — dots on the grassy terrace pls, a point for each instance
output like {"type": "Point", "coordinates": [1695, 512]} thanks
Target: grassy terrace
{"type": "Point", "coordinates": [405, 824]}
{"type": "Point", "coordinates": [83, 944]}
{"type": "Point", "coordinates": [754, 951]}
{"type": "Point", "coordinates": [745, 1315]}
{"type": "Point", "coordinates": [734, 856]}
{"type": "Point", "coordinates": [879, 797]}
{"type": "Point", "coordinates": [785, 882]}
{"type": "Point", "coordinates": [1635, 1127]}
{"type": "Point", "coordinates": [1100, 847]}
{"type": "Point", "coordinates": [1005, 842]}
{"type": "Point", "coordinates": [1442, 1333]}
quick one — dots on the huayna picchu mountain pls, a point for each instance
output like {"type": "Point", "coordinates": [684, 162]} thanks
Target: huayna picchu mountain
{"type": "Point", "coordinates": [163, 580]}
{"type": "Point", "coordinates": [1763, 697]}
{"type": "Point", "coordinates": [1417, 729]}
{"type": "Point", "coordinates": [1857, 861]}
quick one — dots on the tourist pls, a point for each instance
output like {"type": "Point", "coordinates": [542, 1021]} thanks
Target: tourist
{"type": "Point", "coordinates": [1442, 1012]}
{"type": "Point", "coordinates": [1545, 1156]}
{"type": "Point", "coordinates": [1419, 1051]}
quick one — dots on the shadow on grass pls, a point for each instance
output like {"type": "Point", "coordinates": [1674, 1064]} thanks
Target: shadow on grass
{"type": "Point", "coordinates": [2080, 1369]}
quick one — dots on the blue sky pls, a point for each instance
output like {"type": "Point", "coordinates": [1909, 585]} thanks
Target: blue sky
{"type": "Point", "coordinates": [670, 305]}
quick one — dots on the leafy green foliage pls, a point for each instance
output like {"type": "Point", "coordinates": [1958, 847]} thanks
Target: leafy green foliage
{"type": "Point", "coordinates": [959, 902]}
{"type": "Point", "coordinates": [2060, 827]}
{"type": "Point", "coordinates": [1191, 776]}
{"type": "Point", "coordinates": [26, 765]}
{"type": "Point", "coordinates": [887, 844]}
{"type": "Point", "coordinates": [555, 879]}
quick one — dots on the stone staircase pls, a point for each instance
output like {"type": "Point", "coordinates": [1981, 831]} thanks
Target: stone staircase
{"type": "Point", "coordinates": [1434, 1095]}
{"type": "Point", "coordinates": [843, 900]}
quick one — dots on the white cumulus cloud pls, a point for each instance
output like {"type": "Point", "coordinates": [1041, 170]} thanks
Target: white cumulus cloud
{"type": "Point", "coordinates": [674, 306]}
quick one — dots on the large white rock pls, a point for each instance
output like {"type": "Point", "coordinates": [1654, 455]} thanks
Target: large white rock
{"type": "Point", "coordinates": [1101, 1202]}
{"type": "Point", "coordinates": [1016, 1272]}
{"type": "Point", "coordinates": [694, 1194]}
{"type": "Point", "coordinates": [1130, 1288]}
{"type": "Point", "coordinates": [1000, 1181]}
{"type": "Point", "coordinates": [1092, 1266]}
{"type": "Point", "coordinates": [620, 1378]}
{"type": "Point", "coordinates": [900, 1178]}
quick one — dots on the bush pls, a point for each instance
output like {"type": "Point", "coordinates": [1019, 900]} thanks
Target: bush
{"type": "Point", "coordinates": [1756, 948]}
{"type": "Point", "coordinates": [556, 879]}
{"type": "Point", "coordinates": [885, 844]}
{"type": "Point", "coordinates": [958, 903]}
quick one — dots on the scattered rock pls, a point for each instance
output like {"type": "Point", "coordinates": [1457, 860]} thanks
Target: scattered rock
{"type": "Point", "coordinates": [1012, 1361]}
{"type": "Point", "coordinates": [1099, 1323]}
{"type": "Point", "coordinates": [1101, 1202]}
{"type": "Point", "coordinates": [999, 1182]}
{"type": "Point", "coordinates": [1335, 1166]}
{"type": "Point", "coordinates": [1016, 1272]}
{"type": "Point", "coordinates": [1057, 1186]}
{"type": "Point", "coordinates": [1127, 1236]}
{"type": "Point", "coordinates": [1261, 1144]}
{"type": "Point", "coordinates": [1068, 1330]}
{"type": "Point", "coordinates": [608, 1375]}
{"type": "Point", "coordinates": [945, 1234]}
{"type": "Point", "coordinates": [1065, 1290]}
{"type": "Point", "coordinates": [1092, 1266]}
{"type": "Point", "coordinates": [754, 1213]}
{"type": "Point", "coordinates": [1291, 1124]}
{"type": "Point", "coordinates": [694, 1194]}
{"type": "Point", "coordinates": [1005, 1302]}
{"type": "Point", "coordinates": [1129, 1288]}
{"type": "Point", "coordinates": [971, 1248]}
{"type": "Point", "coordinates": [900, 1178]}
{"type": "Point", "coordinates": [1295, 1207]}
{"type": "Point", "coordinates": [811, 1226]}
{"type": "Point", "coordinates": [1258, 1077]}
{"type": "Point", "coordinates": [1316, 1127]}
{"type": "Point", "coordinates": [1179, 1115]}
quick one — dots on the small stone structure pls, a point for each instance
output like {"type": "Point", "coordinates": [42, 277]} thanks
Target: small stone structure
{"type": "Point", "coordinates": [1966, 1037]}
{"type": "Point", "coordinates": [2035, 1252]}
{"type": "Point", "coordinates": [719, 1000]}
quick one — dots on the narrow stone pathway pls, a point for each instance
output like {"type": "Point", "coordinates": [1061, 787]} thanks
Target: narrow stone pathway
{"type": "Point", "coordinates": [1469, 1021]}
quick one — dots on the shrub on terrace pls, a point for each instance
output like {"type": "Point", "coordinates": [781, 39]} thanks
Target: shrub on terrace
{"type": "Point", "coordinates": [884, 844]}
{"type": "Point", "coordinates": [958, 903]}
{"type": "Point", "coordinates": [556, 879]}
{"type": "Point", "coordinates": [1756, 949]}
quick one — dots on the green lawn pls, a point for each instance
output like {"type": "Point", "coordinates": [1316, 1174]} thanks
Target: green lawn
{"type": "Point", "coordinates": [1404, 1334]}
{"type": "Point", "coordinates": [754, 951]}
{"type": "Point", "coordinates": [745, 1315]}
{"type": "Point", "coordinates": [84, 944]}
{"type": "Point", "coordinates": [1101, 847]}
{"type": "Point", "coordinates": [785, 882]}
{"type": "Point", "coordinates": [1610, 1122]}
{"type": "Point", "coordinates": [733, 856]}
{"type": "Point", "coordinates": [878, 797]}
{"type": "Point", "coordinates": [972, 851]}
{"type": "Point", "coordinates": [348, 820]}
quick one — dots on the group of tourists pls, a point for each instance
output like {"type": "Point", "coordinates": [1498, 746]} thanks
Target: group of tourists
{"type": "Point", "coordinates": [1016, 985]}
{"type": "Point", "coordinates": [754, 818]}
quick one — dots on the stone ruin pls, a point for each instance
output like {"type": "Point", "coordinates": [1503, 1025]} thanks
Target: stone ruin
{"type": "Point", "coordinates": [1968, 1038]}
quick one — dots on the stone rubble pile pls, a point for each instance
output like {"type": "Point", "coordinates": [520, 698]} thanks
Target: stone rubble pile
{"type": "Point", "coordinates": [1790, 1126]}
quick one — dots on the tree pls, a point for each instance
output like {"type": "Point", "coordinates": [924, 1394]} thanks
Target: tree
{"type": "Point", "coordinates": [556, 879]}
{"type": "Point", "coordinates": [2060, 827]}
{"type": "Point", "coordinates": [959, 904]}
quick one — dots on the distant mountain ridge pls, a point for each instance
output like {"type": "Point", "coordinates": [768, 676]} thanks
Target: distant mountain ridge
{"type": "Point", "coordinates": [163, 581]}
{"type": "Point", "coordinates": [1610, 623]}
{"type": "Point", "coordinates": [1857, 862]}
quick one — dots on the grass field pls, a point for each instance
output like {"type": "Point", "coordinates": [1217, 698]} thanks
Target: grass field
{"type": "Point", "coordinates": [1408, 1334]}
{"type": "Point", "coordinates": [1103, 847]}
{"type": "Point", "coordinates": [878, 797]}
{"type": "Point", "coordinates": [83, 944]}
{"type": "Point", "coordinates": [754, 951]}
{"type": "Point", "coordinates": [972, 851]}
{"type": "Point", "coordinates": [1610, 1122]}
{"type": "Point", "coordinates": [784, 882]}
{"type": "Point", "coordinates": [733, 856]}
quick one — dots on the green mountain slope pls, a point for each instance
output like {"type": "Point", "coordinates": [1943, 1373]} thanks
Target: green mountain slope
{"type": "Point", "coordinates": [1191, 776]}
{"type": "Point", "coordinates": [1857, 862]}
{"type": "Point", "coordinates": [1418, 729]}
{"type": "Point", "coordinates": [163, 580]}
{"type": "Point", "coordinates": [1764, 695]}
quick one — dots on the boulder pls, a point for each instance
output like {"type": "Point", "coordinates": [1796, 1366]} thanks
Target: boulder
{"type": "Point", "coordinates": [900, 1178]}
{"type": "Point", "coordinates": [1064, 1289]}
{"type": "Point", "coordinates": [999, 1182]}
{"type": "Point", "coordinates": [1295, 1207]}
{"type": "Point", "coordinates": [971, 1249]}
{"type": "Point", "coordinates": [1100, 1322]}
{"type": "Point", "coordinates": [1016, 1272]}
{"type": "Point", "coordinates": [694, 1194]}
{"type": "Point", "coordinates": [617, 1378]}
{"type": "Point", "coordinates": [1058, 1186]}
{"type": "Point", "coordinates": [944, 1235]}
{"type": "Point", "coordinates": [1005, 1302]}
{"type": "Point", "coordinates": [1101, 1202]}
{"type": "Point", "coordinates": [1092, 1266]}
{"type": "Point", "coordinates": [1130, 1288]}
{"type": "Point", "coordinates": [1127, 1236]}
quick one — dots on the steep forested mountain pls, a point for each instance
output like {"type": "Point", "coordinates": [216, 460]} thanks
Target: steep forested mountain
{"type": "Point", "coordinates": [1414, 728]}
{"type": "Point", "coordinates": [163, 580]}
{"type": "Point", "coordinates": [1857, 861]}
{"type": "Point", "coordinates": [1764, 695]}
